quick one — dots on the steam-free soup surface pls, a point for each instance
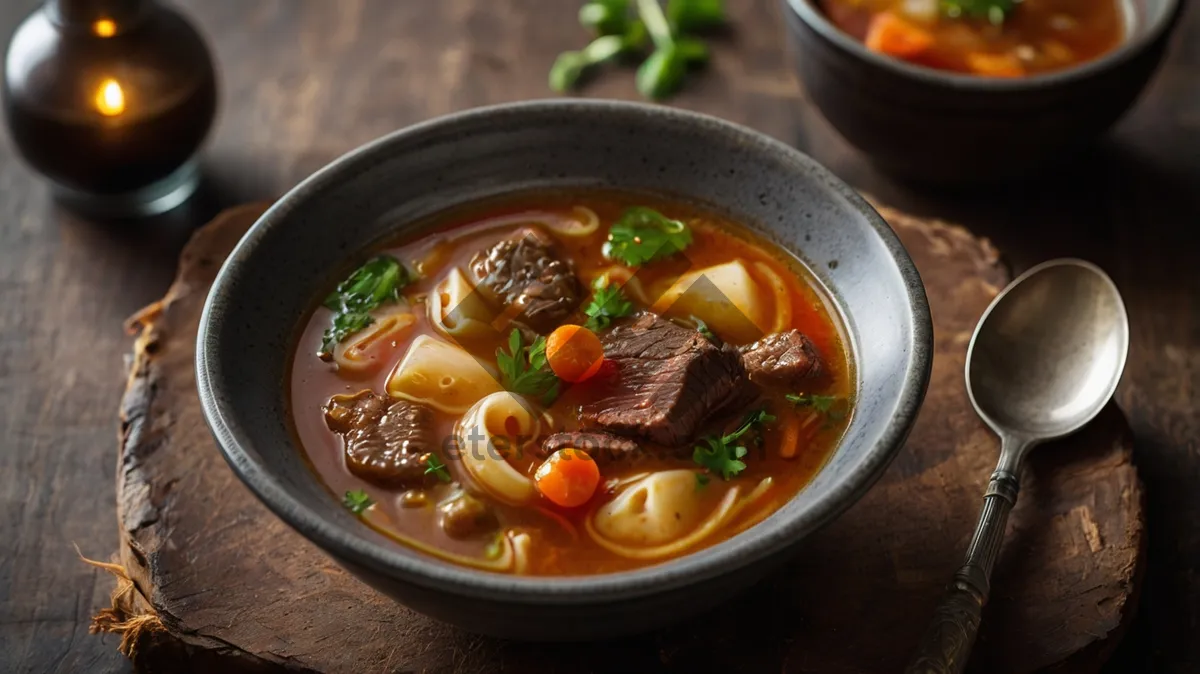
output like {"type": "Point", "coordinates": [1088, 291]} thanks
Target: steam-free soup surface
{"type": "Point", "coordinates": [570, 383]}
{"type": "Point", "coordinates": [989, 38]}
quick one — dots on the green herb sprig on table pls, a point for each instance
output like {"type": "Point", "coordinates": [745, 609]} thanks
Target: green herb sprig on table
{"type": "Point", "coordinates": [723, 454]}
{"type": "Point", "coordinates": [524, 370]}
{"type": "Point", "coordinates": [995, 11]}
{"type": "Point", "coordinates": [371, 285]}
{"type": "Point", "coordinates": [673, 34]}
{"type": "Point", "coordinates": [644, 235]}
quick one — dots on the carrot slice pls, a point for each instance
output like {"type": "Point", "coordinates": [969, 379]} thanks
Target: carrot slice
{"type": "Point", "coordinates": [574, 353]}
{"type": "Point", "coordinates": [789, 442]}
{"type": "Point", "coordinates": [568, 478]}
{"type": "Point", "coordinates": [890, 34]}
{"type": "Point", "coordinates": [995, 65]}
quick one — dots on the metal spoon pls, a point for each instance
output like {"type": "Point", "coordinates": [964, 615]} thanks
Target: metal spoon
{"type": "Point", "coordinates": [1044, 360]}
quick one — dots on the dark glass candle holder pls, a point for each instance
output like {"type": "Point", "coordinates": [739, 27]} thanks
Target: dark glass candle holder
{"type": "Point", "coordinates": [110, 100]}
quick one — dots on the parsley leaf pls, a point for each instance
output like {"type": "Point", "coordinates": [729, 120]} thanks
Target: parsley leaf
{"type": "Point", "coordinates": [608, 303]}
{"type": "Point", "coordinates": [376, 282]}
{"type": "Point", "coordinates": [995, 11]}
{"type": "Point", "coordinates": [723, 454]}
{"type": "Point", "coordinates": [644, 235]}
{"type": "Point", "coordinates": [434, 466]}
{"type": "Point", "coordinates": [524, 370]}
{"type": "Point", "coordinates": [357, 501]}
{"type": "Point", "coordinates": [821, 403]}
{"type": "Point", "coordinates": [702, 481]}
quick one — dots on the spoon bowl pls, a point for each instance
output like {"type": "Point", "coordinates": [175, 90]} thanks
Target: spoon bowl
{"type": "Point", "coordinates": [1049, 352]}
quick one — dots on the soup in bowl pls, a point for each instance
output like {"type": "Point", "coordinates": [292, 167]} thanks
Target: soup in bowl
{"type": "Point", "coordinates": [564, 370]}
{"type": "Point", "coordinates": [571, 383]}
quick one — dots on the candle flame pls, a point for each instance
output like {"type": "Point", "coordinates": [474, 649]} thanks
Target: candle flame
{"type": "Point", "coordinates": [110, 99]}
{"type": "Point", "coordinates": [105, 27]}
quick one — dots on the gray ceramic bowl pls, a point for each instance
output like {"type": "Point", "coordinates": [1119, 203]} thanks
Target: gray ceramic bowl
{"type": "Point", "coordinates": [931, 126]}
{"type": "Point", "coordinates": [333, 218]}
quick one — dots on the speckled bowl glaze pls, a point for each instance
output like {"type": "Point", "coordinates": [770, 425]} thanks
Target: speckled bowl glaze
{"type": "Point", "coordinates": [950, 129]}
{"type": "Point", "coordinates": [332, 220]}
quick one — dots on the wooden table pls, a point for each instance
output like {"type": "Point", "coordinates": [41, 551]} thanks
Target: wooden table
{"type": "Point", "coordinates": [305, 80]}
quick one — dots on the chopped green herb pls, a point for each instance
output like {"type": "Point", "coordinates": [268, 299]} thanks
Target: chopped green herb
{"type": "Point", "coordinates": [702, 328]}
{"type": "Point", "coordinates": [995, 11]}
{"type": "Point", "coordinates": [822, 403]}
{"type": "Point", "coordinates": [356, 500]}
{"type": "Point", "coordinates": [644, 235]}
{"type": "Point", "coordinates": [686, 16]}
{"type": "Point", "coordinates": [605, 17]}
{"type": "Point", "coordinates": [702, 481]}
{"type": "Point", "coordinates": [379, 280]}
{"type": "Point", "coordinates": [608, 303]}
{"type": "Point", "coordinates": [621, 32]}
{"type": "Point", "coordinates": [523, 370]}
{"type": "Point", "coordinates": [723, 454]}
{"type": "Point", "coordinates": [434, 466]}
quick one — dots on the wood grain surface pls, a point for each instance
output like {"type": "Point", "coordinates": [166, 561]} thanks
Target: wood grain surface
{"type": "Point", "coordinates": [306, 80]}
{"type": "Point", "coordinates": [218, 577]}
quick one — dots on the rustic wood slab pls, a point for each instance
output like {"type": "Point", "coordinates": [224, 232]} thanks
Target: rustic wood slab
{"type": "Point", "coordinates": [207, 573]}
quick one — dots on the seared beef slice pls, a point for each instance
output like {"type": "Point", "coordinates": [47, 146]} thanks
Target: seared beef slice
{"type": "Point", "coordinates": [669, 380]}
{"type": "Point", "coordinates": [784, 358]}
{"type": "Point", "coordinates": [602, 447]}
{"type": "Point", "coordinates": [385, 438]}
{"type": "Point", "coordinates": [527, 272]}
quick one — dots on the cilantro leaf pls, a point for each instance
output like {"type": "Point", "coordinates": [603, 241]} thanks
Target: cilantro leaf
{"type": "Point", "coordinates": [825, 404]}
{"type": "Point", "coordinates": [723, 454]}
{"type": "Point", "coordinates": [434, 466]}
{"type": "Point", "coordinates": [644, 235]}
{"type": "Point", "coordinates": [524, 370]}
{"type": "Point", "coordinates": [369, 286]}
{"type": "Point", "coordinates": [357, 501]}
{"type": "Point", "coordinates": [608, 303]}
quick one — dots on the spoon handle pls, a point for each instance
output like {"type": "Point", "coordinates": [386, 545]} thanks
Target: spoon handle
{"type": "Point", "coordinates": [949, 637]}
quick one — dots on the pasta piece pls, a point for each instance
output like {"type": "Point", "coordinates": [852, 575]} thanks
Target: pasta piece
{"type": "Point", "coordinates": [583, 221]}
{"type": "Point", "coordinates": [724, 296]}
{"type": "Point", "coordinates": [457, 310]}
{"type": "Point", "coordinates": [659, 509]}
{"type": "Point", "coordinates": [442, 376]}
{"type": "Point", "coordinates": [512, 547]}
{"type": "Point", "coordinates": [366, 351]}
{"type": "Point", "coordinates": [660, 516]}
{"type": "Point", "coordinates": [497, 424]}
{"type": "Point", "coordinates": [783, 299]}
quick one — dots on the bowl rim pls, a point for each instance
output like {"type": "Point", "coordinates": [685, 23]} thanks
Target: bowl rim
{"type": "Point", "coordinates": [808, 12]}
{"type": "Point", "coordinates": [444, 577]}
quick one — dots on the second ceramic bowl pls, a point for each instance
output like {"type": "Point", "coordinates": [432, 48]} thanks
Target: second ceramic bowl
{"type": "Point", "coordinates": [932, 126]}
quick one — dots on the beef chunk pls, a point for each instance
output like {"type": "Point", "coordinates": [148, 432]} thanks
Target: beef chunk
{"type": "Point", "coordinates": [465, 516]}
{"type": "Point", "coordinates": [602, 447]}
{"type": "Point", "coordinates": [527, 274]}
{"type": "Point", "coordinates": [386, 440]}
{"type": "Point", "coordinates": [784, 358]}
{"type": "Point", "coordinates": [668, 381]}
